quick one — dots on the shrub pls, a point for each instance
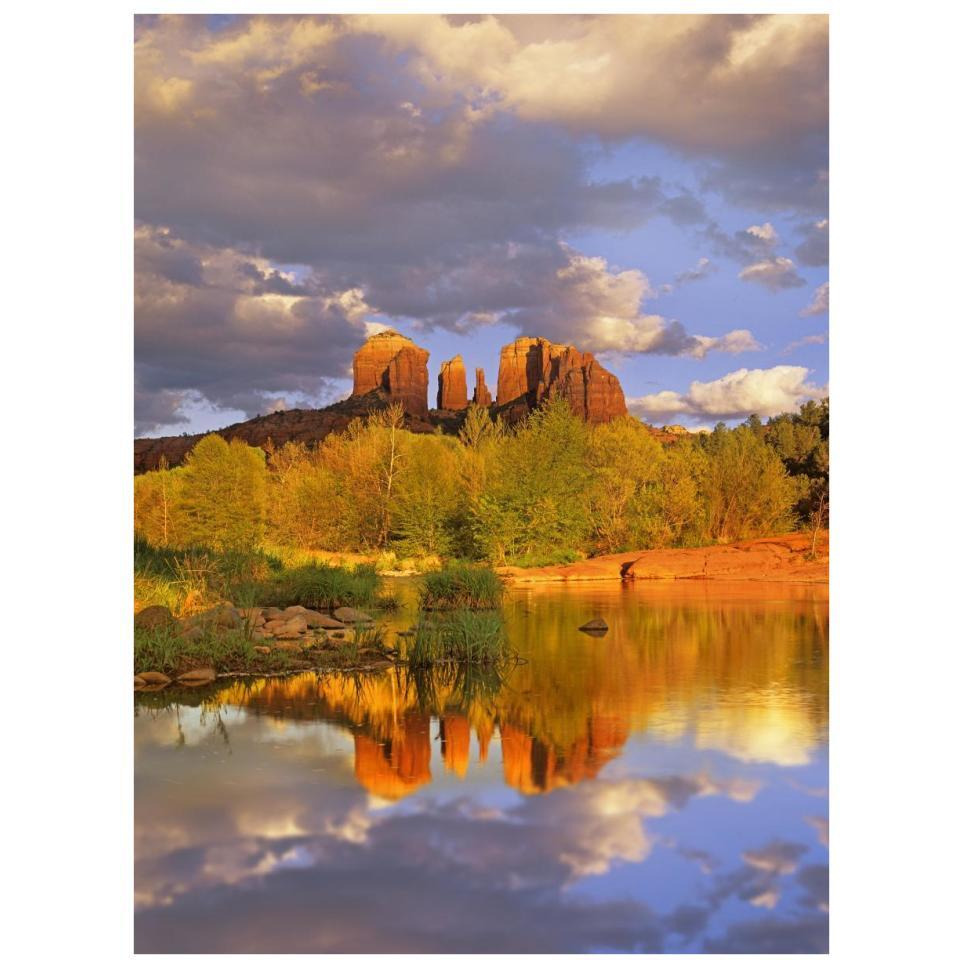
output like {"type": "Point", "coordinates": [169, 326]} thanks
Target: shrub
{"type": "Point", "coordinates": [461, 586]}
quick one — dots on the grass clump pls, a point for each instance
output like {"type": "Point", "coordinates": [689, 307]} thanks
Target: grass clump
{"type": "Point", "coordinates": [165, 650]}
{"type": "Point", "coordinates": [463, 636]}
{"type": "Point", "coordinates": [461, 586]}
{"type": "Point", "coordinates": [321, 586]}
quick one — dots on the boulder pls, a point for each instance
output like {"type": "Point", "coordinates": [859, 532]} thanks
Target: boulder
{"type": "Point", "coordinates": [291, 628]}
{"type": "Point", "coordinates": [262, 649]}
{"type": "Point", "coordinates": [292, 612]}
{"type": "Point", "coordinates": [199, 675]}
{"type": "Point", "coordinates": [452, 392]}
{"type": "Point", "coordinates": [152, 676]}
{"type": "Point", "coordinates": [322, 620]}
{"type": "Point", "coordinates": [154, 617]}
{"type": "Point", "coordinates": [349, 615]}
{"type": "Point", "coordinates": [138, 682]}
{"type": "Point", "coordinates": [595, 626]}
{"type": "Point", "coordinates": [224, 615]}
{"type": "Point", "coordinates": [272, 613]}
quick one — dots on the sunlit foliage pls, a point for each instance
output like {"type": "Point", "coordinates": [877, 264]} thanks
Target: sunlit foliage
{"type": "Point", "coordinates": [548, 490]}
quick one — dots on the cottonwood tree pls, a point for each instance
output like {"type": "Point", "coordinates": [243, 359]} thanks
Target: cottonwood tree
{"type": "Point", "coordinates": [223, 497]}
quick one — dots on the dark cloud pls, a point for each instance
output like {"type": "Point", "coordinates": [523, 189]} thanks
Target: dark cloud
{"type": "Point", "coordinates": [231, 333]}
{"type": "Point", "coordinates": [432, 169]}
{"type": "Point", "coordinates": [814, 250]}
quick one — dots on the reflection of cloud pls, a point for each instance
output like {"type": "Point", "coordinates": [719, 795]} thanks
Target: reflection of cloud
{"type": "Point", "coordinates": [776, 857]}
{"type": "Point", "coordinates": [806, 934]}
{"type": "Point", "coordinates": [761, 731]}
{"type": "Point", "coordinates": [822, 826]}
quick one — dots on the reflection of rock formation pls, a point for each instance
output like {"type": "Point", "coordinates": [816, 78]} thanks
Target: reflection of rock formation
{"type": "Point", "coordinates": [532, 766]}
{"type": "Point", "coordinates": [393, 768]}
{"type": "Point", "coordinates": [455, 743]}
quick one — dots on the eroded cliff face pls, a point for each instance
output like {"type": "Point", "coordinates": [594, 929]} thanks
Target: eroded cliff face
{"type": "Point", "coordinates": [393, 363]}
{"type": "Point", "coordinates": [452, 391]}
{"type": "Point", "coordinates": [532, 369]}
{"type": "Point", "coordinates": [481, 393]}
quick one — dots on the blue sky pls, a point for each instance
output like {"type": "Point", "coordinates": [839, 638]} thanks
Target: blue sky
{"type": "Point", "coordinates": [652, 189]}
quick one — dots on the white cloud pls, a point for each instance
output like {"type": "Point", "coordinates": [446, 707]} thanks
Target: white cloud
{"type": "Point", "coordinates": [600, 308]}
{"type": "Point", "coordinates": [765, 233]}
{"type": "Point", "coordinates": [820, 302]}
{"type": "Point", "coordinates": [775, 273]}
{"type": "Point", "coordinates": [736, 395]}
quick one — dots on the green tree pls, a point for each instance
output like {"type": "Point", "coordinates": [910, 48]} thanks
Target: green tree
{"type": "Point", "coordinates": [534, 506]}
{"type": "Point", "coordinates": [746, 488]}
{"type": "Point", "coordinates": [223, 497]}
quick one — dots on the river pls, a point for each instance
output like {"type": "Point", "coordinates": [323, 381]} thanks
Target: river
{"type": "Point", "coordinates": [661, 788]}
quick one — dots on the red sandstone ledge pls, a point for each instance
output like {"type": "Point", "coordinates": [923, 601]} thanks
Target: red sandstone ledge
{"type": "Point", "coordinates": [783, 559]}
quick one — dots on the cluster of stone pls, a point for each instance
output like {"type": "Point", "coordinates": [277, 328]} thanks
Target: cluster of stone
{"type": "Point", "coordinates": [292, 629]}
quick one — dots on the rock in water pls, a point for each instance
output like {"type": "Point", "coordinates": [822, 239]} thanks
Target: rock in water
{"type": "Point", "coordinates": [481, 393]}
{"type": "Point", "coordinates": [393, 363]}
{"type": "Point", "coordinates": [152, 677]}
{"type": "Point", "coordinates": [533, 369]}
{"type": "Point", "coordinates": [349, 615]}
{"type": "Point", "coordinates": [200, 675]}
{"type": "Point", "coordinates": [452, 392]}
{"type": "Point", "coordinates": [595, 626]}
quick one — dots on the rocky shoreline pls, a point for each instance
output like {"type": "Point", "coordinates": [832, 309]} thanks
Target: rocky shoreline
{"type": "Point", "coordinates": [783, 559]}
{"type": "Point", "coordinates": [281, 642]}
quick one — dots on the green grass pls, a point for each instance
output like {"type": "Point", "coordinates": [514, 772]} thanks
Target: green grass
{"type": "Point", "coordinates": [322, 586]}
{"type": "Point", "coordinates": [461, 586]}
{"type": "Point", "coordinates": [195, 578]}
{"type": "Point", "coordinates": [166, 651]}
{"type": "Point", "coordinates": [463, 636]}
{"type": "Point", "coordinates": [549, 558]}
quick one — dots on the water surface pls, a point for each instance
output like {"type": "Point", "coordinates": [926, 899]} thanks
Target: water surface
{"type": "Point", "coordinates": [661, 788]}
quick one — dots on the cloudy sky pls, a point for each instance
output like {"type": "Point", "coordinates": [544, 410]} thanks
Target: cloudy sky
{"type": "Point", "coordinates": [650, 188]}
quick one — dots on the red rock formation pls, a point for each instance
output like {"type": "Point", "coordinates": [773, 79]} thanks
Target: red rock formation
{"type": "Point", "coordinates": [533, 369]}
{"type": "Point", "coordinates": [481, 394]}
{"type": "Point", "coordinates": [393, 363]}
{"type": "Point", "coordinates": [452, 394]}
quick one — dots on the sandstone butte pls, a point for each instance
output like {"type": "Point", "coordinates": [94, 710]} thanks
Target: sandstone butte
{"type": "Point", "coordinates": [783, 559]}
{"type": "Point", "coordinates": [391, 368]}
{"type": "Point", "coordinates": [452, 391]}
{"type": "Point", "coordinates": [393, 363]}
{"type": "Point", "coordinates": [533, 369]}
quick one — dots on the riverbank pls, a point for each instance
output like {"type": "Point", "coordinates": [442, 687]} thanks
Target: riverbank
{"type": "Point", "coordinates": [257, 641]}
{"type": "Point", "coordinates": [782, 559]}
